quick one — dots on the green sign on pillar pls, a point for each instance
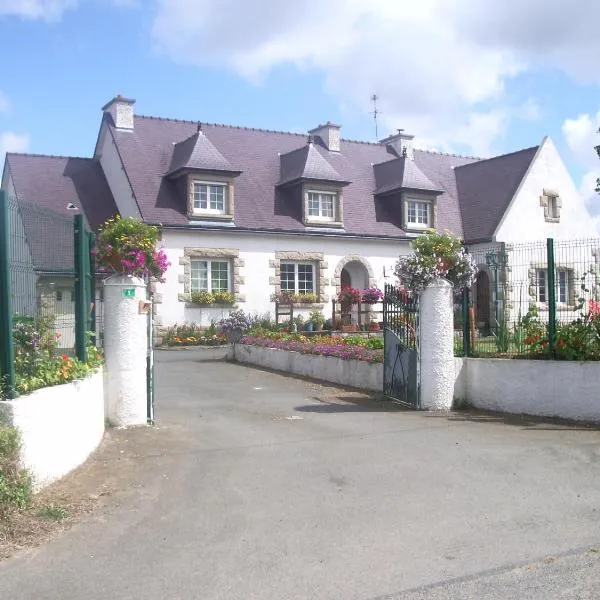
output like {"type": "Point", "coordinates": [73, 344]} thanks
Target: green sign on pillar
{"type": "Point", "coordinates": [128, 292]}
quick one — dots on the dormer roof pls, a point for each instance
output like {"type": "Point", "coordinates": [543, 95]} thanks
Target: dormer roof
{"type": "Point", "coordinates": [307, 163]}
{"type": "Point", "coordinates": [401, 174]}
{"type": "Point", "coordinates": [197, 153]}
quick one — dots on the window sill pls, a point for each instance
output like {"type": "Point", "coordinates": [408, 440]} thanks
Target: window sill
{"type": "Point", "coordinates": [318, 305]}
{"type": "Point", "coordinates": [210, 216]}
{"type": "Point", "coordinates": [214, 305]}
{"type": "Point", "coordinates": [320, 223]}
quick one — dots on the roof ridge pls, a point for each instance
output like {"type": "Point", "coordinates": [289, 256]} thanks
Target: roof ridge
{"type": "Point", "coordinates": [220, 125]}
{"type": "Point", "coordinates": [504, 155]}
{"type": "Point", "coordinates": [36, 155]}
{"type": "Point", "coordinates": [450, 154]}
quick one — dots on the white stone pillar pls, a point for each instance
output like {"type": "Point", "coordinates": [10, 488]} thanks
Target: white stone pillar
{"type": "Point", "coordinates": [125, 349]}
{"type": "Point", "coordinates": [436, 345]}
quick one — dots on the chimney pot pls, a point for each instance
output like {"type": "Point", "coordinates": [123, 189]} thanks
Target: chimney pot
{"type": "Point", "coordinates": [329, 134]}
{"type": "Point", "coordinates": [400, 144]}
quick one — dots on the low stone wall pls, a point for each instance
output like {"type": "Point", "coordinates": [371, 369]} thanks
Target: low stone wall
{"type": "Point", "coordinates": [351, 373]}
{"type": "Point", "coordinates": [60, 426]}
{"type": "Point", "coordinates": [549, 388]}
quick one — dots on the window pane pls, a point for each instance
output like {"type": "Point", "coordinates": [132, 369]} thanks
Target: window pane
{"type": "Point", "coordinates": [313, 204]}
{"type": "Point", "coordinates": [288, 277]}
{"type": "Point", "coordinates": [541, 286]}
{"type": "Point", "coordinates": [327, 205]}
{"type": "Point", "coordinates": [199, 270]}
{"type": "Point", "coordinates": [200, 195]}
{"type": "Point", "coordinates": [219, 276]}
{"type": "Point", "coordinates": [412, 212]}
{"type": "Point", "coordinates": [563, 293]}
{"type": "Point", "coordinates": [305, 279]}
{"type": "Point", "coordinates": [217, 197]}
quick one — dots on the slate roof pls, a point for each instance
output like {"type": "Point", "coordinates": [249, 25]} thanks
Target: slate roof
{"type": "Point", "coordinates": [485, 189]}
{"type": "Point", "coordinates": [196, 152]}
{"type": "Point", "coordinates": [45, 186]}
{"type": "Point", "coordinates": [401, 173]}
{"type": "Point", "coordinates": [307, 163]}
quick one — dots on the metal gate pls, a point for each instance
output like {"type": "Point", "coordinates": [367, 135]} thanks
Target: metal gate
{"type": "Point", "coordinates": [401, 372]}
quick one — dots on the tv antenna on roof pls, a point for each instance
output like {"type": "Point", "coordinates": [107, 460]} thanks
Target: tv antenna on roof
{"type": "Point", "coordinates": [375, 112]}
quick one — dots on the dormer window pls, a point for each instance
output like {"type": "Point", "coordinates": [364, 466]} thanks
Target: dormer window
{"type": "Point", "coordinates": [321, 205]}
{"type": "Point", "coordinates": [209, 197]}
{"type": "Point", "coordinates": [418, 214]}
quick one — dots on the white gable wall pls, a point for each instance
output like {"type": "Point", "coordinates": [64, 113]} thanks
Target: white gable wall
{"type": "Point", "coordinates": [257, 252]}
{"type": "Point", "coordinates": [116, 176]}
{"type": "Point", "coordinates": [524, 219]}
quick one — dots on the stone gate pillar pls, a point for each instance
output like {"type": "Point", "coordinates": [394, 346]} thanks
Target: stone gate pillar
{"type": "Point", "coordinates": [436, 345]}
{"type": "Point", "coordinates": [125, 349]}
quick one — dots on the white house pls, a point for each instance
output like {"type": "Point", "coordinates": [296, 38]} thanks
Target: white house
{"type": "Point", "coordinates": [256, 212]}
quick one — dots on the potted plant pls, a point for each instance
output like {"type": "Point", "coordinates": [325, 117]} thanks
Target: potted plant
{"type": "Point", "coordinates": [371, 295]}
{"type": "Point", "coordinates": [128, 247]}
{"type": "Point", "coordinates": [223, 298]}
{"type": "Point", "coordinates": [306, 298]}
{"type": "Point", "coordinates": [234, 326]}
{"type": "Point", "coordinates": [373, 325]}
{"type": "Point", "coordinates": [317, 318]}
{"type": "Point", "coordinates": [298, 322]}
{"type": "Point", "coordinates": [202, 298]}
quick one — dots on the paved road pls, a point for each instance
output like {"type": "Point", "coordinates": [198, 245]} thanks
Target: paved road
{"type": "Point", "coordinates": [349, 499]}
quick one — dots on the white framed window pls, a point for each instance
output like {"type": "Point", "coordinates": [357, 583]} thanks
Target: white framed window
{"type": "Point", "coordinates": [210, 275]}
{"type": "Point", "coordinates": [298, 278]}
{"type": "Point", "coordinates": [562, 283]}
{"type": "Point", "coordinates": [321, 205]}
{"type": "Point", "coordinates": [418, 214]}
{"type": "Point", "coordinates": [209, 197]}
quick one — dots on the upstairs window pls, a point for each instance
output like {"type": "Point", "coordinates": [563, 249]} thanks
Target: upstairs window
{"type": "Point", "coordinates": [297, 278]}
{"type": "Point", "coordinates": [418, 214]}
{"type": "Point", "coordinates": [210, 276]}
{"type": "Point", "coordinates": [209, 197]}
{"type": "Point", "coordinates": [551, 202]}
{"type": "Point", "coordinates": [321, 205]}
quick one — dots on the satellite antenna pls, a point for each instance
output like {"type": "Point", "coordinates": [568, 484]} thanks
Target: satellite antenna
{"type": "Point", "coordinates": [375, 112]}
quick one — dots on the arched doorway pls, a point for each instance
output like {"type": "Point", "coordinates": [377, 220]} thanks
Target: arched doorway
{"type": "Point", "coordinates": [482, 304]}
{"type": "Point", "coordinates": [345, 279]}
{"type": "Point", "coordinates": [355, 275]}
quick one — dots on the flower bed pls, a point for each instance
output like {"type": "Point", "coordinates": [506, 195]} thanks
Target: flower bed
{"type": "Point", "coordinates": [319, 346]}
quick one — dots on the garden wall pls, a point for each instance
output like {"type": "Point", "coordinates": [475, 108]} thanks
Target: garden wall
{"type": "Point", "coordinates": [565, 389]}
{"type": "Point", "coordinates": [60, 426]}
{"type": "Point", "coordinates": [352, 373]}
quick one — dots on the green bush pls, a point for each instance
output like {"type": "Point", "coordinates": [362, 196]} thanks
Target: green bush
{"type": "Point", "coordinates": [15, 482]}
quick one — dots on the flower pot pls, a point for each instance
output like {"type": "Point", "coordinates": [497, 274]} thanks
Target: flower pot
{"type": "Point", "coordinates": [373, 327]}
{"type": "Point", "coordinates": [309, 326]}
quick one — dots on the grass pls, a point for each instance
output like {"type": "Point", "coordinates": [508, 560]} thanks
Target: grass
{"type": "Point", "coordinates": [53, 512]}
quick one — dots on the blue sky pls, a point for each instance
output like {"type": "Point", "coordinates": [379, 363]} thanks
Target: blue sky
{"type": "Point", "coordinates": [466, 76]}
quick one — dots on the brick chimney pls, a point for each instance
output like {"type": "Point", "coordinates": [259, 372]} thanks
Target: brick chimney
{"type": "Point", "coordinates": [121, 110]}
{"type": "Point", "coordinates": [400, 144]}
{"type": "Point", "coordinates": [329, 134]}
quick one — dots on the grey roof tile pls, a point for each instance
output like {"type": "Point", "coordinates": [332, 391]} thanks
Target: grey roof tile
{"type": "Point", "coordinates": [307, 163]}
{"type": "Point", "coordinates": [485, 189]}
{"type": "Point", "coordinates": [401, 173]}
{"type": "Point", "coordinates": [197, 153]}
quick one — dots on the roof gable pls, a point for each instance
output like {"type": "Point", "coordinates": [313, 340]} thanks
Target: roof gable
{"type": "Point", "coordinates": [486, 188]}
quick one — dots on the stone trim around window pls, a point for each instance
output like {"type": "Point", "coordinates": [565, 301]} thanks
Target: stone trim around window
{"type": "Point", "coordinates": [411, 227]}
{"type": "Point", "coordinates": [296, 256]}
{"type": "Point", "coordinates": [232, 254]}
{"type": "Point", "coordinates": [546, 199]}
{"type": "Point", "coordinates": [337, 275]}
{"type": "Point", "coordinates": [338, 211]}
{"type": "Point", "coordinates": [573, 276]}
{"type": "Point", "coordinates": [210, 178]}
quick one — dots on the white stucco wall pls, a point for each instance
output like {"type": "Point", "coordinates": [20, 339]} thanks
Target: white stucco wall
{"type": "Point", "coordinates": [351, 373]}
{"type": "Point", "coordinates": [564, 389]}
{"type": "Point", "coordinates": [60, 426]}
{"type": "Point", "coordinates": [256, 251]}
{"type": "Point", "coordinates": [524, 220]}
{"type": "Point", "coordinates": [112, 166]}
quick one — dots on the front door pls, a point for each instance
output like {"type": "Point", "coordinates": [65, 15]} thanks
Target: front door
{"type": "Point", "coordinates": [482, 314]}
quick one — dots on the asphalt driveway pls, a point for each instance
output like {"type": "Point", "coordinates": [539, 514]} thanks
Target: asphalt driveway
{"type": "Point", "coordinates": [260, 486]}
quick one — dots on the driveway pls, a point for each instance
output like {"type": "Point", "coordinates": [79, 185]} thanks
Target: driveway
{"type": "Point", "coordinates": [260, 486]}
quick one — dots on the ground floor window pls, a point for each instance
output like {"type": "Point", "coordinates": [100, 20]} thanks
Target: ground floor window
{"type": "Point", "coordinates": [298, 278]}
{"type": "Point", "coordinates": [562, 284]}
{"type": "Point", "coordinates": [210, 275]}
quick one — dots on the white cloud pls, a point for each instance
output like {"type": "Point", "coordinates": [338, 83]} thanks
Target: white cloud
{"type": "Point", "coordinates": [48, 10]}
{"type": "Point", "coordinates": [581, 135]}
{"type": "Point", "coordinates": [13, 142]}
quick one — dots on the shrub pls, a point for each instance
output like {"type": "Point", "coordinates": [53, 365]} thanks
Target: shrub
{"type": "Point", "coordinates": [128, 246]}
{"type": "Point", "coordinates": [237, 320]}
{"type": "Point", "coordinates": [436, 255]}
{"type": "Point", "coordinates": [15, 482]}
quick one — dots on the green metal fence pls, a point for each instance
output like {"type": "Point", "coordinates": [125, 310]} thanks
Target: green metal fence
{"type": "Point", "coordinates": [529, 298]}
{"type": "Point", "coordinates": [46, 279]}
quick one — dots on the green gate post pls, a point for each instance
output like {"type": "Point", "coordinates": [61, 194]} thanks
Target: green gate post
{"type": "Point", "coordinates": [551, 297]}
{"type": "Point", "coordinates": [466, 322]}
{"type": "Point", "coordinates": [92, 298]}
{"type": "Point", "coordinates": [81, 308]}
{"type": "Point", "coordinates": [7, 351]}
